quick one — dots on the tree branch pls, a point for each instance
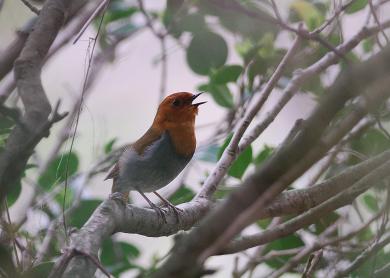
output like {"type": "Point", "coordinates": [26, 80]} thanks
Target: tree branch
{"type": "Point", "coordinates": [312, 215]}
{"type": "Point", "coordinates": [364, 256]}
{"type": "Point", "coordinates": [12, 51]}
{"type": "Point", "coordinates": [281, 169]}
{"type": "Point", "coordinates": [28, 66]}
{"type": "Point", "coordinates": [299, 200]}
{"type": "Point", "coordinates": [111, 217]}
{"type": "Point", "coordinates": [231, 150]}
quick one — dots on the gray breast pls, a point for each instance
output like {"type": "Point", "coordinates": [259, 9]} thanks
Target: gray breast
{"type": "Point", "coordinates": [157, 167]}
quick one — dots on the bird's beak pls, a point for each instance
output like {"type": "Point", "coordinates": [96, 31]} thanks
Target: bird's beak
{"type": "Point", "coordinates": [199, 103]}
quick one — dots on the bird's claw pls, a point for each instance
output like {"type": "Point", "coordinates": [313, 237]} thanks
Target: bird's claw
{"type": "Point", "coordinates": [175, 210]}
{"type": "Point", "coordinates": [169, 205]}
{"type": "Point", "coordinates": [160, 212]}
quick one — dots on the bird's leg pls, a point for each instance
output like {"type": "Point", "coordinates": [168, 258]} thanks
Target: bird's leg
{"type": "Point", "coordinates": [123, 197]}
{"type": "Point", "coordinates": [167, 203]}
{"type": "Point", "coordinates": [159, 211]}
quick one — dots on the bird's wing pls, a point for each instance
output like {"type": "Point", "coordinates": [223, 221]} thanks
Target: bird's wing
{"type": "Point", "coordinates": [139, 146]}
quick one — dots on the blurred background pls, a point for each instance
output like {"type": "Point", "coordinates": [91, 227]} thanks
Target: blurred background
{"type": "Point", "coordinates": [135, 70]}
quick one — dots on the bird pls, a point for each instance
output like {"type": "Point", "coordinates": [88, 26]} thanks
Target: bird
{"type": "Point", "coordinates": [160, 154]}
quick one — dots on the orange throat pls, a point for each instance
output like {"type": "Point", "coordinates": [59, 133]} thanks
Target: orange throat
{"type": "Point", "coordinates": [183, 137]}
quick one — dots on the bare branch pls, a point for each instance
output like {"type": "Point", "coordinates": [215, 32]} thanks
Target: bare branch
{"type": "Point", "coordinates": [112, 216]}
{"type": "Point", "coordinates": [311, 264]}
{"type": "Point", "coordinates": [299, 200]}
{"type": "Point", "coordinates": [231, 151]}
{"type": "Point", "coordinates": [364, 256]}
{"type": "Point", "coordinates": [31, 6]}
{"type": "Point", "coordinates": [19, 145]}
{"type": "Point", "coordinates": [310, 216]}
{"type": "Point", "coordinates": [12, 51]}
{"type": "Point", "coordinates": [102, 6]}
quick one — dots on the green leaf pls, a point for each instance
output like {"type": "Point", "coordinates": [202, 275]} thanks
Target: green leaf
{"type": "Point", "coordinates": [236, 22]}
{"type": "Point", "coordinates": [288, 242]}
{"type": "Point", "coordinates": [59, 197]}
{"type": "Point", "coordinates": [206, 51]}
{"type": "Point", "coordinates": [371, 202]}
{"type": "Point", "coordinates": [38, 271]}
{"type": "Point", "coordinates": [239, 166]}
{"type": "Point", "coordinates": [119, 10]}
{"type": "Point", "coordinates": [6, 262]}
{"type": "Point", "coordinates": [124, 250]}
{"type": "Point", "coordinates": [183, 195]}
{"type": "Point", "coordinates": [356, 6]}
{"type": "Point", "coordinates": [241, 163]}
{"type": "Point", "coordinates": [16, 188]}
{"type": "Point", "coordinates": [307, 12]}
{"type": "Point", "coordinates": [371, 143]}
{"type": "Point", "coordinates": [56, 172]}
{"type": "Point", "coordinates": [108, 146]}
{"type": "Point", "coordinates": [324, 222]}
{"type": "Point", "coordinates": [221, 95]}
{"type": "Point", "coordinates": [191, 23]}
{"type": "Point", "coordinates": [116, 256]}
{"type": "Point", "coordinates": [82, 213]}
{"type": "Point", "coordinates": [378, 261]}
{"type": "Point", "coordinates": [263, 155]}
{"type": "Point", "coordinates": [368, 45]}
{"type": "Point", "coordinates": [171, 10]}
{"type": "Point", "coordinates": [222, 192]}
{"type": "Point", "coordinates": [226, 74]}
{"type": "Point", "coordinates": [365, 235]}
{"type": "Point", "coordinates": [263, 223]}
{"type": "Point", "coordinates": [14, 193]}
{"type": "Point", "coordinates": [123, 30]}
{"type": "Point", "coordinates": [207, 153]}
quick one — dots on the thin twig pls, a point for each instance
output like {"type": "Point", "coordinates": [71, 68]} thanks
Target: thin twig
{"type": "Point", "coordinates": [85, 84]}
{"type": "Point", "coordinates": [164, 68]}
{"type": "Point", "coordinates": [376, 18]}
{"type": "Point", "coordinates": [232, 150]}
{"type": "Point", "coordinates": [335, 15]}
{"type": "Point", "coordinates": [31, 7]}
{"type": "Point", "coordinates": [12, 233]}
{"type": "Point", "coordinates": [60, 266]}
{"type": "Point", "coordinates": [363, 257]}
{"type": "Point", "coordinates": [149, 21]}
{"type": "Point", "coordinates": [160, 35]}
{"type": "Point", "coordinates": [102, 6]}
{"type": "Point", "coordinates": [311, 264]}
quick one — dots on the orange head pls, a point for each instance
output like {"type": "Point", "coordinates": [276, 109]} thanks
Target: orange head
{"type": "Point", "coordinates": [177, 109]}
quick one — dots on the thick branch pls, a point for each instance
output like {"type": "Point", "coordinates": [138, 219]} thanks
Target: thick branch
{"type": "Point", "coordinates": [300, 200]}
{"type": "Point", "coordinates": [23, 138]}
{"type": "Point", "coordinates": [9, 55]}
{"type": "Point", "coordinates": [312, 215]}
{"type": "Point", "coordinates": [111, 217]}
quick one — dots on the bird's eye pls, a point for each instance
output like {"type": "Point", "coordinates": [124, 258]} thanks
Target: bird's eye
{"type": "Point", "coordinates": [176, 102]}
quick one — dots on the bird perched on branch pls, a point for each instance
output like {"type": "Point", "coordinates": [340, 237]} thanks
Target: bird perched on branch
{"type": "Point", "coordinates": [160, 154]}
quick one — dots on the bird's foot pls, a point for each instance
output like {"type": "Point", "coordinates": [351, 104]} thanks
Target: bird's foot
{"type": "Point", "coordinates": [169, 205]}
{"type": "Point", "coordinates": [123, 198]}
{"type": "Point", "coordinates": [160, 212]}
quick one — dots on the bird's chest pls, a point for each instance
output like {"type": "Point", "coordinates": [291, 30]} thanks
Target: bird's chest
{"type": "Point", "coordinates": [158, 165]}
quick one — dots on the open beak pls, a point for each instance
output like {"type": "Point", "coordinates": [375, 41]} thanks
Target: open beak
{"type": "Point", "coordinates": [199, 103]}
